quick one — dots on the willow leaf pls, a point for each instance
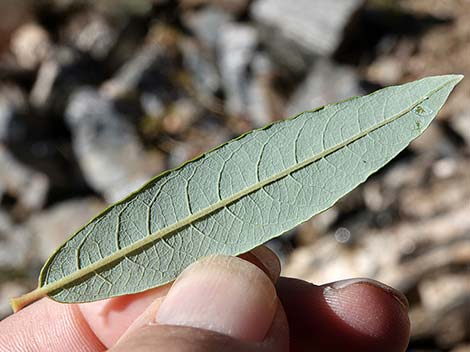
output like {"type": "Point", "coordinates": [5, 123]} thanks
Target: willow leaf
{"type": "Point", "coordinates": [240, 194]}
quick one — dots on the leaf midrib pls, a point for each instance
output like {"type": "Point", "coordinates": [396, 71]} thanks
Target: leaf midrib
{"type": "Point", "coordinates": [104, 262]}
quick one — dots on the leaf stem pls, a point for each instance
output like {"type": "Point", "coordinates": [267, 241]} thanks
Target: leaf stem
{"type": "Point", "coordinates": [19, 303]}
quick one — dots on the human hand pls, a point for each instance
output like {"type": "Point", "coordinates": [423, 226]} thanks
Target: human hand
{"type": "Point", "coordinates": [221, 304]}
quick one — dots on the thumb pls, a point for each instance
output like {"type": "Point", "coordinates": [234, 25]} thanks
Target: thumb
{"type": "Point", "coordinates": [218, 303]}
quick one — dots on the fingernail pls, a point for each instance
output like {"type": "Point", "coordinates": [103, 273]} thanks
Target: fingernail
{"type": "Point", "coordinates": [266, 260]}
{"type": "Point", "coordinates": [366, 305]}
{"type": "Point", "coordinates": [400, 297]}
{"type": "Point", "coordinates": [222, 294]}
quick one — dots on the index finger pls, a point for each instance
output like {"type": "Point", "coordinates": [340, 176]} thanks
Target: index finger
{"type": "Point", "coordinates": [50, 326]}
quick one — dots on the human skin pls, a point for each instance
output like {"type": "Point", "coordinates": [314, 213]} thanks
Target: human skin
{"type": "Point", "coordinates": [221, 303]}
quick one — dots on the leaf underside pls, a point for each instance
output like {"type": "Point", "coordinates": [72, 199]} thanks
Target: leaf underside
{"type": "Point", "coordinates": [240, 194]}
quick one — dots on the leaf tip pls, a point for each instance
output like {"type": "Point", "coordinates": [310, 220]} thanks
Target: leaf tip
{"type": "Point", "coordinates": [453, 79]}
{"type": "Point", "coordinates": [457, 77]}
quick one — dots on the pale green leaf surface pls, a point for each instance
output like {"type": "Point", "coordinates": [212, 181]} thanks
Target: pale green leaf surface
{"type": "Point", "coordinates": [241, 194]}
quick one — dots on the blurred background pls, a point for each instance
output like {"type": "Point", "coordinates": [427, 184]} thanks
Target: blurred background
{"type": "Point", "coordinates": [96, 97]}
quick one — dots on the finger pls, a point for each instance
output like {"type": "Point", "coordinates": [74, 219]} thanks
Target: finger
{"type": "Point", "coordinates": [171, 338]}
{"type": "Point", "coordinates": [50, 326]}
{"type": "Point", "coordinates": [218, 303]}
{"type": "Point", "coordinates": [109, 319]}
{"type": "Point", "coordinates": [351, 315]}
{"type": "Point", "coordinates": [47, 326]}
{"type": "Point", "coordinates": [266, 260]}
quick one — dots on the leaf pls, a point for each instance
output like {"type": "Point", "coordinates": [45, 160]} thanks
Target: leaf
{"type": "Point", "coordinates": [238, 195]}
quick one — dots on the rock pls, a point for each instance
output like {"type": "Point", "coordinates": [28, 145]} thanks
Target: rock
{"type": "Point", "coordinates": [147, 70]}
{"type": "Point", "coordinates": [181, 115]}
{"type": "Point", "coordinates": [263, 104]}
{"type": "Point", "coordinates": [439, 196]}
{"type": "Point", "coordinates": [12, 104]}
{"type": "Point", "coordinates": [446, 328]}
{"type": "Point", "coordinates": [386, 70]}
{"type": "Point", "coordinates": [382, 194]}
{"type": "Point", "coordinates": [42, 89]}
{"type": "Point", "coordinates": [51, 227]}
{"type": "Point", "coordinates": [461, 124]}
{"type": "Point", "coordinates": [206, 24]}
{"type": "Point", "coordinates": [16, 247]}
{"type": "Point", "coordinates": [152, 105]}
{"type": "Point", "coordinates": [442, 291]}
{"type": "Point", "coordinates": [434, 144]}
{"type": "Point", "coordinates": [236, 48]}
{"type": "Point", "coordinates": [27, 186]}
{"type": "Point", "coordinates": [426, 259]}
{"type": "Point", "coordinates": [56, 76]}
{"type": "Point", "coordinates": [317, 26]}
{"type": "Point", "coordinates": [231, 6]}
{"type": "Point", "coordinates": [6, 116]}
{"type": "Point", "coordinates": [316, 227]}
{"type": "Point", "coordinates": [203, 73]}
{"type": "Point", "coordinates": [90, 32]}
{"type": "Point", "coordinates": [287, 54]}
{"type": "Point", "coordinates": [325, 83]}
{"type": "Point", "coordinates": [414, 249]}
{"type": "Point", "coordinates": [445, 309]}
{"type": "Point", "coordinates": [419, 188]}
{"type": "Point", "coordinates": [30, 44]}
{"type": "Point", "coordinates": [107, 146]}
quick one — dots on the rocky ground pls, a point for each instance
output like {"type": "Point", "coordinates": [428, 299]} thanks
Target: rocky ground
{"type": "Point", "coordinates": [97, 97]}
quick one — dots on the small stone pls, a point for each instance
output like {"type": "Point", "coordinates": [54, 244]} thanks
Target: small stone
{"type": "Point", "coordinates": [30, 44]}
{"type": "Point", "coordinates": [461, 124]}
{"type": "Point", "coordinates": [318, 226]}
{"type": "Point", "coordinates": [42, 89]}
{"type": "Point", "coordinates": [440, 292]}
{"type": "Point", "coordinates": [149, 70]}
{"type": "Point", "coordinates": [204, 75]}
{"type": "Point", "coordinates": [12, 104]}
{"type": "Point", "coordinates": [91, 33]}
{"type": "Point", "coordinates": [231, 6]}
{"type": "Point", "coordinates": [181, 115]}
{"type": "Point", "coordinates": [236, 48]}
{"type": "Point", "coordinates": [433, 143]}
{"type": "Point", "coordinates": [152, 105]}
{"type": "Point", "coordinates": [54, 77]}
{"type": "Point", "coordinates": [446, 167]}
{"type": "Point", "coordinates": [440, 195]}
{"type": "Point", "coordinates": [6, 116]}
{"type": "Point", "coordinates": [317, 26]}
{"type": "Point", "coordinates": [401, 255]}
{"type": "Point", "coordinates": [325, 83]}
{"type": "Point", "coordinates": [206, 24]}
{"type": "Point", "coordinates": [15, 249]}
{"type": "Point", "coordinates": [29, 187]}
{"type": "Point", "coordinates": [107, 146]}
{"type": "Point", "coordinates": [387, 71]}
{"type": "Point", "coordinates": [262, 103]}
